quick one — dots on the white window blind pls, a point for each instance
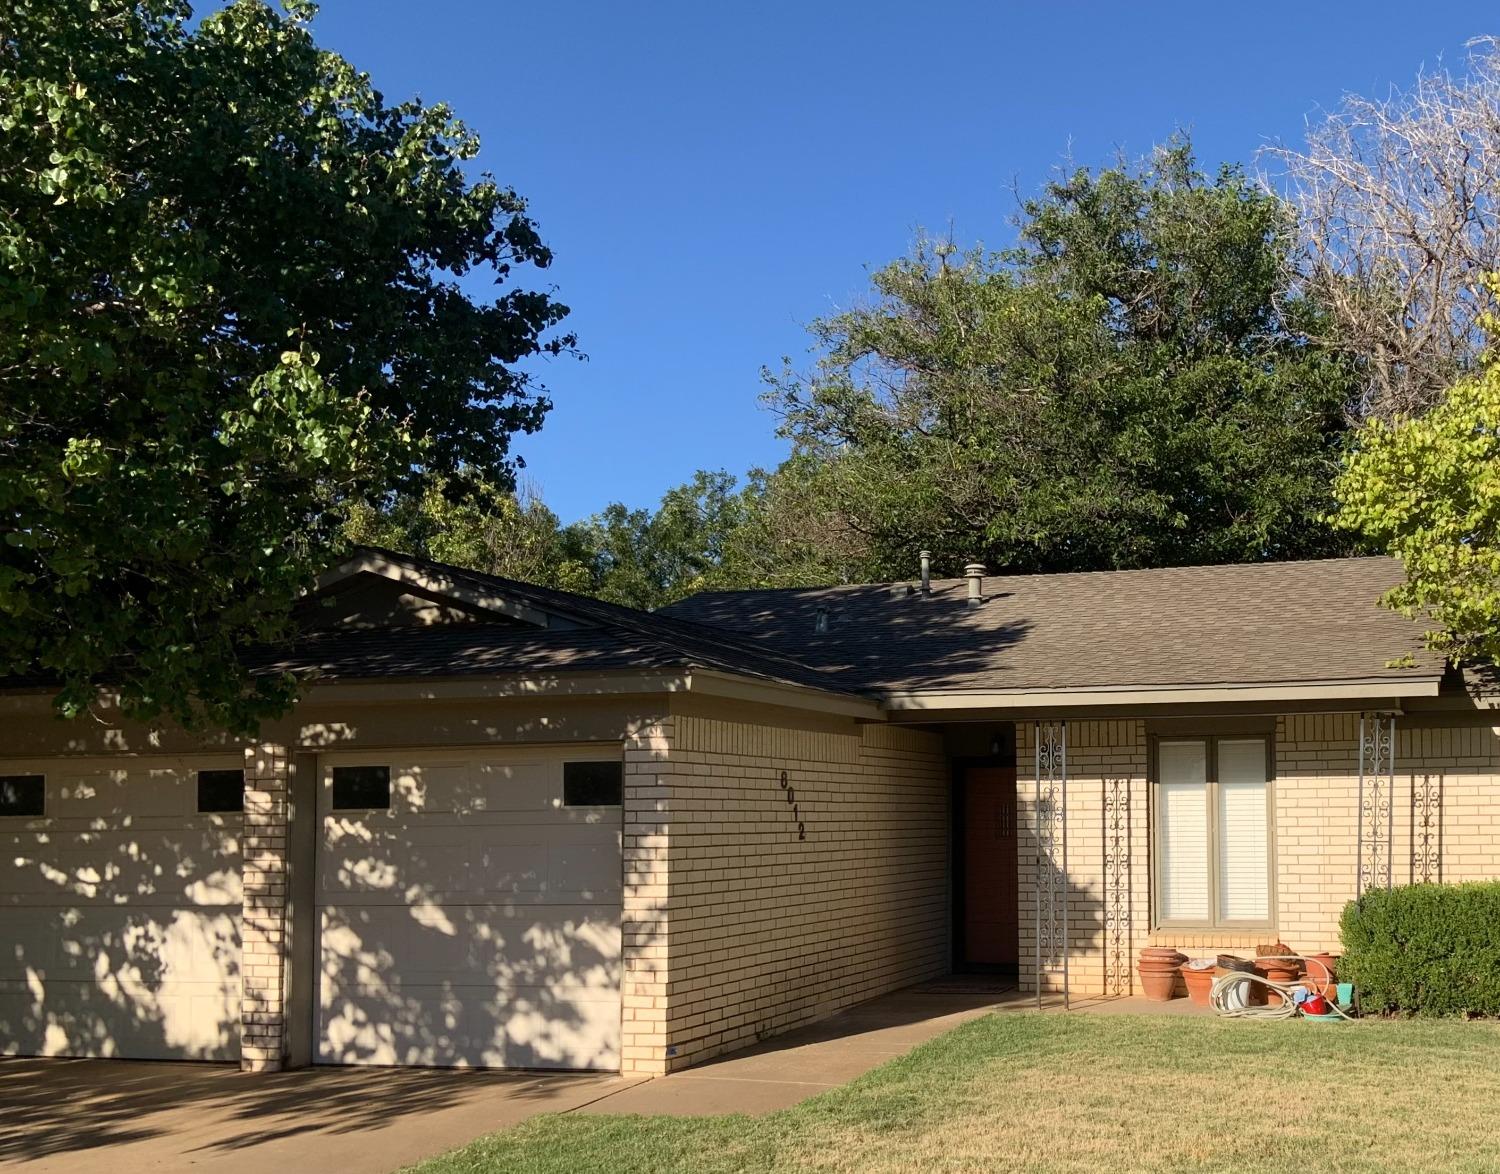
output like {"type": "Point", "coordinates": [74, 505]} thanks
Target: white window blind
{"type": "Point", "coordinates": [1183, 842]}
{"type": "Point", "coordinates": [1244, 887]}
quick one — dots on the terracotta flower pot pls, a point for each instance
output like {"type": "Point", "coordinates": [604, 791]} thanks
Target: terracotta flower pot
{"type": "Point", "coordinates": [1321, 973]}
{"type": "Point", "coordinates": [1199, 981]}
{"type": "Point", "coordinates": [1158, 970]}
{"type": "Point", "coordinates": [1279, 971]}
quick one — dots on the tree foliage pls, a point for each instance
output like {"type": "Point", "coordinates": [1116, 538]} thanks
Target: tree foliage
{"type": "Point", "coordinates": [498, 531]}
{"type": "Point", "coordinates": [229, 304]}
{"type": "Point", "coordinates": [1127, 387]}
{"type": "Point", "coordinates": [701, 536]}
{"type": "Point", "coordinates": [1428, 490]}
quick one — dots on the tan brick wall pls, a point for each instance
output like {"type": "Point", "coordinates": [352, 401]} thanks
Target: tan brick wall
{"type": "Point", "coordinates": [644, 911]}
{"type": "Point", "coordinates": [263, 934]}
{"type": "Point", "coordinates": [1316, 811]}
{"type": "Point", "coordinates": [1097, 752]}
{"type": "Point", "coordinates": [761, 925]}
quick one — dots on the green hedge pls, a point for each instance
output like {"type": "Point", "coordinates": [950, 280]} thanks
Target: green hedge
{"type": "Point", "coordinates": [1425, 949]}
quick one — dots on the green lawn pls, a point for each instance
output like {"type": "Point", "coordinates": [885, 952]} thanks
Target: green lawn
{"type": "Point", "coordinates": [1086, 1093]}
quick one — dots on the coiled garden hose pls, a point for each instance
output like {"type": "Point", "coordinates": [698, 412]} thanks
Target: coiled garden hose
{"type": "Point", "coordinates": [1225, 998]}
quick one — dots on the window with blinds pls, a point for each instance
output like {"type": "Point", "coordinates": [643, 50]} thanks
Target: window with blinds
{"type": "Point", "coordinates": [1213, 833]}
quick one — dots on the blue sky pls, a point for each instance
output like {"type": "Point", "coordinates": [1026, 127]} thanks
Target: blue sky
{"type": "Point", "coordinates": [713, 175]}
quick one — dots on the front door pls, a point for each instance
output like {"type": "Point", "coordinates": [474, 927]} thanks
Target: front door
{"type": "Point", "coordinates": [990, 922]}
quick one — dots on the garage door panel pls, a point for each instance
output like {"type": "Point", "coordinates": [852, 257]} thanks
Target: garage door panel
{"type": "Point", "coordinates": [477, 922]}
{"type": "Point", "coordinates": [120, 915]}
{"type": "Point", "coordinates": [415, 856]}
{"type": "Point", "coordinates": [87, 1019]}
{"type": "Point", "coordinates": [562, 946]}
{"type": "Point", "coordinates": [462, 1027]}
{"type": "Point", "coordinates": [119, 866]}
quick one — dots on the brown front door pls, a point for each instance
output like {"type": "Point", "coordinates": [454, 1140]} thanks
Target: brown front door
{"type": "Point", "coordinates": [990, 926]}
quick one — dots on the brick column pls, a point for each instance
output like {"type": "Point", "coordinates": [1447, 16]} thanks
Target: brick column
{"type": "Point", "coordinates": [263, 929]}
{"type": "Point", "coordinates": [643, 1044]}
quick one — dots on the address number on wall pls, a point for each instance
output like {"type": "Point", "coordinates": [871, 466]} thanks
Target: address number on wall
{"type": "Point", "coordinates": [789, 793]}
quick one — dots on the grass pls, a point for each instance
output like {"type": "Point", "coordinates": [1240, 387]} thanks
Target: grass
{"type": "Point", "coordinates": [1085, 1093]}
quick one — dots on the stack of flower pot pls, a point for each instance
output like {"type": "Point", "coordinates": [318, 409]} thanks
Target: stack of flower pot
{"type": "Point", "coordinates": [1321, 974]}
{"type": "Point", "coordinates": [1275, 969]}
{"type": "Point", "coordinates": [1158, 968]}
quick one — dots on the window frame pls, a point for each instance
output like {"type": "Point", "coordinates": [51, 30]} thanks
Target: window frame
{"type": "Point", "coordinates": [27, 774]}
{"type": "Point", "coordinates": [1214, 923]}
{"type": "Point", "coordinates": [617, 763]}
{"type": "Point", "coordinates": [198, 781]}
{"type": "Point", "coordinates": [390, 786]}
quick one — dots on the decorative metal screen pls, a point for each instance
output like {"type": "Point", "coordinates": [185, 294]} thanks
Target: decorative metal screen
{"type": "Point", "coordinates": [1051, 854]}
{"type": "Point", "coordinates": [1118, 972]}
{"type": "Point", "coordinates": [1377, 784]}
{"type": "Point", "coordinates": [1426, 828]}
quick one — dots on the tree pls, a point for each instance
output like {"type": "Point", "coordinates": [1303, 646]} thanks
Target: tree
{"type": "Point", "coordinates": [643, 558]}
{"type": "Point", "coordinates": [1127, 387]}
{"type": "Point", "coordinates": [503, 532]}
{"type": "Point", "coordinates": [1427, 489]}
{"type": "Point", "coordinates": [1399, 206]}
{"type": "Point", "coordinates": [231, 305]}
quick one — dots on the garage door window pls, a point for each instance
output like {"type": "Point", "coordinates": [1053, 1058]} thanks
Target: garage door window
{"type": "Point", "coordinates": [361, 788]}
{"type": "Point", "coordinates": [23, 795]}
{"type": "Point", "coordinates": [221, 790]}
{"type": "Point", "coordinates": [593, 784]}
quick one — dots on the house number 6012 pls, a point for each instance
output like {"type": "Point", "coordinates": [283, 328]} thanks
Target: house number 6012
{"type": "Point", "coordinates": [791, 799]}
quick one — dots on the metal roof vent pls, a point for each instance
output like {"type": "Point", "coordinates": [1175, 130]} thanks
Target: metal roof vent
{"type": "Point", "coordinates": [974, 573]}
{"type": "Point", "coordinates": [820, 620]}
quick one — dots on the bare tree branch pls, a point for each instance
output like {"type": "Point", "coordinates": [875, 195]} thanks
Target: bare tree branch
{"type": "Point", "coordinates": [1398, 201]}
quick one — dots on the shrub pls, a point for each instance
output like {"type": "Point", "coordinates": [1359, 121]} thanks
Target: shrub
{"type": "Point", "coordinates": [1425, 949]}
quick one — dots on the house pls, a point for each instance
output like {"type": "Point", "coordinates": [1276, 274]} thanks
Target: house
{"type": "Point", "coordinates": [511, 826]}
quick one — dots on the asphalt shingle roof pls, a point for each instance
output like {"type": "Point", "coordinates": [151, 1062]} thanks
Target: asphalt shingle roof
{"type": "Point", "coordinates": [614, 638]}
{"type": "Point", "coordinates": [1261, 623]}
{"type": "Point", "coordinates": [1308, 622]}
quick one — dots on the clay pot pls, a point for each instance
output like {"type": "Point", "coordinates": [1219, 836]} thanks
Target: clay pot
{"type": "Point", "coordinates": [1276, 970]}
{"type": "Point", "coordinates": [1321, 974]}
{"type": "Point", "coordinates": [1158, 970]}
{"type": "Point", "coordinates": [1199, 981]}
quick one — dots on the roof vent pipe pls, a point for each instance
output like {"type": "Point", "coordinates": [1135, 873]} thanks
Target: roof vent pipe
{"type": "Point", "coordinates": [974, 573]}
{"type": "Point", "coordinates": [926, 557]}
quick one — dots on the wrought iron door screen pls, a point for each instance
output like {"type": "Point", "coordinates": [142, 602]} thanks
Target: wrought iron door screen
{"type": "Point", "coordinates": [1377, 786]}
{"type": "Point", "coordinates": [1051, 741]}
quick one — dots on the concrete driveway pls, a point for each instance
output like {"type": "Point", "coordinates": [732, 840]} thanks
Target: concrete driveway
{"type": "Point", "coordinates": [114, 1117]}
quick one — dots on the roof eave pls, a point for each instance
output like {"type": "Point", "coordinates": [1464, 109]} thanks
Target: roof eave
{"type": "Point", "coordinates": [555, 685]}
{"type": "Point", "coordinates": [1372, 688]}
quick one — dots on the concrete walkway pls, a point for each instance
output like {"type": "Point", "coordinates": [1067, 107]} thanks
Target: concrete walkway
{"type": "Point", "coordinates": [113, 1117]}
{"type": "Point", "coordinates": [802, 1063]}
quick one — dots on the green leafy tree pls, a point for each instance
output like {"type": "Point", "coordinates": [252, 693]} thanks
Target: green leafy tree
{"type": "Point", "coordinates": [1428, 490]}
{"type": "Point", "coordinates": [645, 558]}
{"type": "Point", "coordinates": [1129, 386]}
{"type": "Point", "coordinates": [503, 532]}
{"type": "Point", "coordinates": [229, 305]}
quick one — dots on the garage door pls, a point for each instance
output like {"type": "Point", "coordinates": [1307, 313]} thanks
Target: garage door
{"type": "Point", "coordinates": [120, 907]}
{"type": "Point", "coordinates": [469, 907]}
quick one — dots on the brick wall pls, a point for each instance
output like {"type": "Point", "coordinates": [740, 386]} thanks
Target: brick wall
{"type": "Point", "coordinates": [263, 932]}
{"type": "Point", "coordinates": [753, 907]}
{"type": "Point", "coordinates": [1316, 812]}
{"type": "Point", "coordinates": [1098, 753]}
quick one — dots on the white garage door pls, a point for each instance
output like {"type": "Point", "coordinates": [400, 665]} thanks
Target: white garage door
{"type": "Point", "coordinates": [470, 909]}
{"type": "Point", "coordinates": [120, 907]}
